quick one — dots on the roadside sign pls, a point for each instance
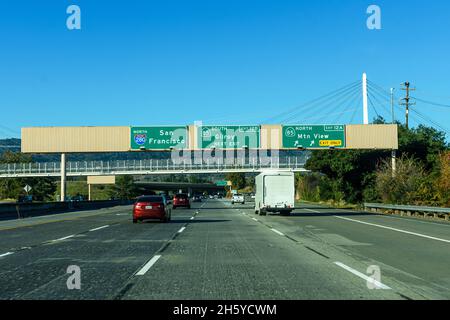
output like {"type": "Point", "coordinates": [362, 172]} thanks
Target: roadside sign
{"type": "Point", "coordinates": [229, 137]}
{"type": "Point", "coordinates": [27, 188]}
{"type": "Point", "coordinates": [159, 138]}
{"type": "Point", "coordinates": [222, 183]}
{"type": "Point", "coordinates": [314, 136]}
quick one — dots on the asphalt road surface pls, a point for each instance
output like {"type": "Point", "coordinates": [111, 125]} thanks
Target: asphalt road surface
{"type": "Point", "coordinates": [221, 251]}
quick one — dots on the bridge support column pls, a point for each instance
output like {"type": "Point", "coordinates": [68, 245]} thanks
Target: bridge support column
{"type": "Point", "coordinates": [63, 177]}
{"type": "Point", "coordinates": [89, 192]}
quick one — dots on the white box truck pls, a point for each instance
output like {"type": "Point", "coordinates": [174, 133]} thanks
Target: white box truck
{"type": "Point", "coordinates": [275, 192]}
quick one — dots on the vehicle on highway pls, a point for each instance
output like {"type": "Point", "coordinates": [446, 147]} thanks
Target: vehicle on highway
{"type": "Point", "coordinates": [151, 207]}
{"type": "Point", "coordinates": [275, 192]}
{"type": "Point", "coordinates": [238, 198]}
{"type": "Point", "coordinates": [181, 200]}
{"type": "Point", "coordinates": [197, 198]}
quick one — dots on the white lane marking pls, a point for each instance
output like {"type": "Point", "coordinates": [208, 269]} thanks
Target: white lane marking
{"type": "Point", "coordinates": [6, 254]}
{"type": "Point", "coordinates": [411, 219]}
{"type": "Point", "coordinates": [394, 229]}
{"type": "Point", "coordinates": [99, 228]}
{"type": "Point", "coordinates": [363, 276]}
{"type": "Point", "coordinates": [181, 230]}
{"type": "Point", "coordinates": [148, 265]}
{"type": "Point", "coordinates": [122, 214]}
{"type": "Point", "coordinates": [255, 219]}
{"type": "Point", "coordinates": [192, 218]}
{"type": "Point", "coordinates": [277, 232]}
{"type": "Point", "coordinates": [61, 239]}
{"type": "Point", "coordinates": [311, 210]}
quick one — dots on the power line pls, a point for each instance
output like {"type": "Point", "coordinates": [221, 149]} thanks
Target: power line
{"type": "Point", "coordinates": [433, 103]}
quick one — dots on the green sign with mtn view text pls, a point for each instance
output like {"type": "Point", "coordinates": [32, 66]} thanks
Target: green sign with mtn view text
{"type": "Point", "coordinates": [313, 136]}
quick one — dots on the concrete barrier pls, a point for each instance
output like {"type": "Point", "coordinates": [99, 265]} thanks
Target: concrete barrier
{"type": "Point", "coordinates": [10, 211]}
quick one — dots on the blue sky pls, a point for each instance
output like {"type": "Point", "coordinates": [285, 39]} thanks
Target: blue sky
{"type": "Point", "coordinates": [220, 61]}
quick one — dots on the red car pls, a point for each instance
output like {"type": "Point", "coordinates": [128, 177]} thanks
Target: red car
{"type": "Point", "coordinates": [152, 207]}
{"type": "Point", "coordinates": [181, 200]}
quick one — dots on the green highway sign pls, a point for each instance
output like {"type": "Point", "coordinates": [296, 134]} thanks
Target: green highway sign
{"type": "Point", "coordinates": [314, 136]}
{"type": "Point", "coordinates": [159, 138]}
{"type": "Point", "coordinates": [229, 137]}
{"type": "Point", "coordinates": [222, 183]}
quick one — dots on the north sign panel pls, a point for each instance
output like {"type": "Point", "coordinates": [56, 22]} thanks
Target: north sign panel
{"type": "Point", "coordinates": [313, 136]}
{"type": "Point", "coordinates": [159, 138]}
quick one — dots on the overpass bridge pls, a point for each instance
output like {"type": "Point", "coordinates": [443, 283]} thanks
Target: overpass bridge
{"type": "Point", "coordinates": [150, 167]}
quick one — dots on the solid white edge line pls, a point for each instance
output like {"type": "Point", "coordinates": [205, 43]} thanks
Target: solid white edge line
{"type": "Point", "coordinates": [181, 230]}
{"type": "Point", "coordinates": [148, 265]}
{"type": "Point", "coordinates": [363, 276]}
{"type": "Point", "coordinates": [277, 232]}
{"type": "Point", "coordinates": [99, 228]}
{"type": "Point", "coordinates": [6, 254]}
{"type": "Point", "coordinates": [61, 239]}
{"type": "Point", "coordinates": [394, 229]}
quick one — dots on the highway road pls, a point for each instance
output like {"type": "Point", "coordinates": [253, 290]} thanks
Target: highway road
{"type": "Point", "coordinates": [221, 251]}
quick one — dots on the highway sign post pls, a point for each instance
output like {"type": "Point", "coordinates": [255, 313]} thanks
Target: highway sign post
{"type": "Point", "coordinates": [159, 138]}
{"type": "Point", "coordinates": [314, 136]}
{"type": "Point", "coordinates": [229, 137]}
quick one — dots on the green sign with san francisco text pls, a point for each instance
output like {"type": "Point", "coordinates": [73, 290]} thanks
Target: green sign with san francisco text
{"type": "Point", "coordinates": [159, 138]}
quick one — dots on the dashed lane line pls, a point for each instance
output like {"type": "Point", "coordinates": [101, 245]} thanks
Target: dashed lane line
{"type": "Point", "coordinates": [277, 232]}
{"type": "Point", "coordinates": [373, 281]}
{"type": "Point", "coordinates": [99, 228]}
{"type": "Point", "coordinates": [64, 238]}
{"type": "Point", "coordinates": [6, 254]}
{"type": "Point", "coordinates": [148, 265]}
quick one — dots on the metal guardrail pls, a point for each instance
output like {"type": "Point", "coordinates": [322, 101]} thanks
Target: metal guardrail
{"type": "Point", "coordinates": [152, 166]}
{"type": "Point", "coordinates": [407, 208]}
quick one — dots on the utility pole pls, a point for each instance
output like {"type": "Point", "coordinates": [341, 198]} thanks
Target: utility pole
{"type": "Point", "coordinates": [392, 105]}
{"type": "Point", "coordinates": [407, 102]}
{"type": "Point", "coordinates": [393, 153]}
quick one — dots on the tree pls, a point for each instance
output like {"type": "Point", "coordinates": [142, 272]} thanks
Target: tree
{"type": "Point", "coordinates": [124, 189]}
{"type": "Point", "coordinates": [404, 186]}
{"type": "Point", "coordinates": [237, 180]}
{"type": "Point", "coordinates": [443, 182]}
{"type": "Point", "coordinates": [11, 188]}
{"type": "Point", "coordinates": [352, 173]}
